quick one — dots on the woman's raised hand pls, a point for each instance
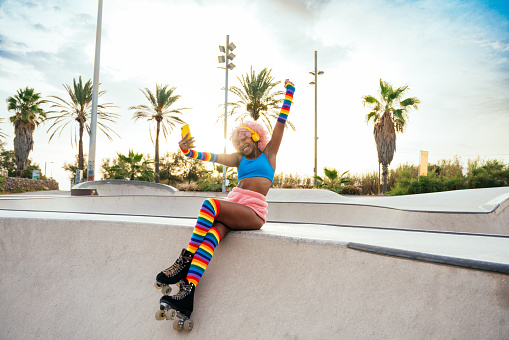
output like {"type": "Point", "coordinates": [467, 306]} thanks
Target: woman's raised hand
{"type": "Point", "coordinates": [288, 81]}
{"type": "Point", "coordinates": [186, 143]}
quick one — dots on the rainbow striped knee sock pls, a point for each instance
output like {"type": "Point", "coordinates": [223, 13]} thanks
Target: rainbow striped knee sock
{"type": "Point", "coordinates": [203, 256]}
{"type": "Point", "coordinates": [208, 212]}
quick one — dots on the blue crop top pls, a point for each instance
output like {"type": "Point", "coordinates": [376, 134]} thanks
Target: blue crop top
{"type": "Point", "coordinates": [258, 167]}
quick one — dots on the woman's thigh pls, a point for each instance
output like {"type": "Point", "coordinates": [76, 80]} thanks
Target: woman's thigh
{"type": "Point", "coordinates": [238, 216]}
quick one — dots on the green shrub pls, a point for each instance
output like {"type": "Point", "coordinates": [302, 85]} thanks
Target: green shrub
{"type": "Point", "coordinates": [367, 183]}
{"type": "Point", "coordinates": [449, 175]}
{"type": "Point", "coordinates": [292, 181]}
{"type": "Point", "coordinates": [490, 173]}
{"type": "Point", "coordinates": [350, 190]}
{"type": "Point", "coordinates": [455, 183]}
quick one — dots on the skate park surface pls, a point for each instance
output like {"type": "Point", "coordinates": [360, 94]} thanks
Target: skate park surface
{"type": "Point", "coordinates": [325, 266]}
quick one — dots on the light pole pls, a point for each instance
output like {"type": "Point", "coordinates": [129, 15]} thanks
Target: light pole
{"type": "Point", "coordinates": [95, 95]}
{"type": "Point", "coordinates": [316, 73]}
{"type": "Point", "coordinates": [229, 66]}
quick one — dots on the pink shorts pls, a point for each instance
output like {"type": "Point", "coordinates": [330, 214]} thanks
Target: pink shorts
{"type": "Point", "coordinates": [251, 199]}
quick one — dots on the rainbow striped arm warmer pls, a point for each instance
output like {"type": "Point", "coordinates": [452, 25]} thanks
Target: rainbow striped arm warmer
{"type": "Point", "coordinates": [285, 109]}
{"type": "Point", "coordinates": [204, 156]}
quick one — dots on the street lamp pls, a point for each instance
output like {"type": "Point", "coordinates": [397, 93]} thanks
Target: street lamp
{"type": "Point", "coordinates": [95, 96]}
{"type": "Point", "coordinates": [316, 73]}
{"type": "Point", "coordinates": [229, 66]}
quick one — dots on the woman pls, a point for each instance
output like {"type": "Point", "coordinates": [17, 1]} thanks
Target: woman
{"type": "Point", "coordinates": [245, 207]}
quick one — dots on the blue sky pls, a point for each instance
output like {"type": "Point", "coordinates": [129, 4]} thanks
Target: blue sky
{"type": "Point", "coordinates": [453, 55]}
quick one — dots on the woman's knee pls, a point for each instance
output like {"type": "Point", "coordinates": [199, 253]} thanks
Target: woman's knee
{"type": "Point", "coordinates": [222, 228]}
{"type": "Point", "coordinates": [260, 225]}
{"type": "Point", "coordinates": [212, 205]}
{"type": "Point", "coordinates": [255, 224]}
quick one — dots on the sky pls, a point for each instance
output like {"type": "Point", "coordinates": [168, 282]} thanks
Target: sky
{"type": "Point", "coordinates": [453, 56]}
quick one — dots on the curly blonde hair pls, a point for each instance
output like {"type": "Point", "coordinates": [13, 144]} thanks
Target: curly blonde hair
{"type": "Point", "coordinates": [239, 132]}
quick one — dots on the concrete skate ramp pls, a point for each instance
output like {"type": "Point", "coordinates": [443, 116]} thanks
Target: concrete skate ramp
{"type": "Point", "coordinates": [90, 276]}
{"type": "Point", "coordinates": [481, 211]}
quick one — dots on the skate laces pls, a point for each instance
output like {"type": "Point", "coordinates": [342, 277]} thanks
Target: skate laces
{"type": "Point", "coordinates": [177, 266]}
{"type": "Point", "coordinates": [184, 291]}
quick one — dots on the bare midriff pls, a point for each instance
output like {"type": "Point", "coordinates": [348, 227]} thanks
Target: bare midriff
{"type": "Point", "coordinates": [257, 184]}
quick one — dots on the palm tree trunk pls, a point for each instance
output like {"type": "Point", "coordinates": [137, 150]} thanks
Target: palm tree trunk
{"type": "Point", "coordinates": [385, 138]}
{"type": "Point", "coordinates": [23, 144]}
{"type": "Point", "coordinates": [81, 162]}
{"type": "Point", "coordinates": [156, 177]}
{"type": "Point", "coordinates": [385, 172]}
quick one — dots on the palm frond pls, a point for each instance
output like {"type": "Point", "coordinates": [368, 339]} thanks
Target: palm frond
{"type": "Point", "coordinates": [397, 93]}
{"type": "Point", "coordinates": [372, 115]}
{"type": "Point", "coordinates": [413, 101]}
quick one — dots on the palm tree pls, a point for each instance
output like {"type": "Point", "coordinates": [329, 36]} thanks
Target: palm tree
{"type": "Point", "coordinates": [159, 112]}
{"type": "Point", "coordinates": [389, 115]}
{"type": "Point", "coordinates": [28, 115]}
{"type": "Point", "coordinates": [77, 112]}
{"type": "Point", "coordinates": [257, 97]}
{"type": "Point", "coordinates": [132, 167]}
{"type": "Point", "coordinates": [335, 180]}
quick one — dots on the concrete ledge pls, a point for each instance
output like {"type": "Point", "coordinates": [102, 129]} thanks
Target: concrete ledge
{"type": "Point", "coordinates": [64, 277]}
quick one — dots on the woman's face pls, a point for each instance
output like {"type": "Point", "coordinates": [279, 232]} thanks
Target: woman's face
{"type": "Point", "coordinates": [245, 145]}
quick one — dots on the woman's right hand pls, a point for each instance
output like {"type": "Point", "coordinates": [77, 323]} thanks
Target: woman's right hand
{"type": "Point", "coordinates": [186, 143]}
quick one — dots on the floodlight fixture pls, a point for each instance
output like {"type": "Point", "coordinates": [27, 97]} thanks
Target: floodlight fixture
{"type": "Point", "coordinates": [311, 83]}
{"type": "Point", "coordinates": [227, 57]}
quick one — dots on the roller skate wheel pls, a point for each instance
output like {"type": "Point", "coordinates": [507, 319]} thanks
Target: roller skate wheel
{"type": "Point", "coordinates": [166, 289]}
{"type": "Point", "coordinates": [188, 325]}
{"type": "Point", "coordinates": [171, 315]}
{"type": "Point", "coordinates": [160, 315]}
{"type": "Point", "coordinates": [176, 325]}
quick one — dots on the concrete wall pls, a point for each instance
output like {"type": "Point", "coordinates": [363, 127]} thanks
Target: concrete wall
{"type": "Point", "coordinates": [66, 278]}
